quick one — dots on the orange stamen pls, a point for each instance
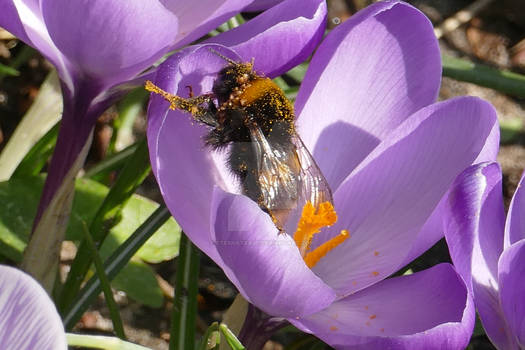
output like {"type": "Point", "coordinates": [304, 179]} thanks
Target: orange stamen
{"type": "Point", "coordinates": [314, 256]}
{"type": "Point", "coordinates": [311, 222]}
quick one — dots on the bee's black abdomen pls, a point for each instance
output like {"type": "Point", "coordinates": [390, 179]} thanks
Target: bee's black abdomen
{"type": "Point", "coordinates": [247, 99]}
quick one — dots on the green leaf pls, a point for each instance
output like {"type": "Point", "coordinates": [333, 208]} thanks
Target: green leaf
{"type": "Point", "coordinates": [163, 245]}
{"type": "Point", "coordinates": [138, 281]}
{"type": "Point", "coordinates": [18, 202]}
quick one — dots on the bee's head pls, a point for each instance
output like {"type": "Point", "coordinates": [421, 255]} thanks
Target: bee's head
{"type": "Point", "coordinates": [233, 76]}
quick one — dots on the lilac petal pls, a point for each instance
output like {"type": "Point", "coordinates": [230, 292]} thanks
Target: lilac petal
{"type": "Point", "coordinates": [512, 289]}
{"type": "Point", "coordinates": [385, 202]}
{"type": "Point", "coordinates": [24, 20]}
{"type": "Point", "coordinates": [10, 20]}
{"type": "Point", "coordinates": [28, 318]}
{"type": "Point", "coordinates": [280, 38]}
{"type": "Point", "coordinates": [185, 170]}
{"type": "Point", "coordinates": [487, 303]}
{"type": "Point", "coordinates": [515, 225]}
{"type": "Point", "coordinates": [360, 86]}
{"type": "Point", "coordinates": [427, 310]}
{"type": "Point", "coordinates": [432, 231]}
{"type": "Point", "coordinates": [110, 41]}
{"type": "Point", "coordinates": [269, 271]}
{"type": "Point", "coordinates": [473, 222]}
{"type": "Point", "coordinates": [196, 19]}
{"type": "Point", "coordinates": [259, 5]}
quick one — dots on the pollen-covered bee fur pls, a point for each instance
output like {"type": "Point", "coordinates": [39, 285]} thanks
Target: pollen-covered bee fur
{"type": "Point", "coordinates": [249, 113]}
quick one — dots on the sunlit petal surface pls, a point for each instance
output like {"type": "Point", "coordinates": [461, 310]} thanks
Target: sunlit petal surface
{"type": "Point", "coordinates": [28, 318]}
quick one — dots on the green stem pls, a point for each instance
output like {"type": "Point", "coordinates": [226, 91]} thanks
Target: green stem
{"type": "Point", "coordinates": [501, 80]}
{"type": "Point", "coordinates": [101, 342]}
{"type": "Point", "coordinates": [182, 335]}
{"type": "Point", "coordinates": [231, 339]}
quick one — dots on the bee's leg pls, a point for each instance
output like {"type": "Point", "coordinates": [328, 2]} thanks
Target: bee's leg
{"type": "Point", "coordinates": [190, 90]}
{"type": "Point", "coordinates": [201, 107]}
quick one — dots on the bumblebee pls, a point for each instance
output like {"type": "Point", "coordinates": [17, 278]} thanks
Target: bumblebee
{"type": "Point", "coordinates": [249, 113]}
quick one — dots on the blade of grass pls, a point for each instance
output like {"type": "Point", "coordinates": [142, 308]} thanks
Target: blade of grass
{"type": "Point", "coordinates": [45, 112]}
{"type": "Point", "coordinates": [182, 335]}
{"type": "Point", "coordinates": [291, 93]}
{"type": "Point", "coordinates": [111, 163]}
{"type": "Point", "coordinates": [232, 340]}
{"type": "Point", "coordinates": [101, 342]}
{"type": "Point", "coordinates": [23, 56]}
{"type": "Point", "coordinates": [104, 282]}
{"type": "Point", "coordinates": [39, 154]}
{"type": "Point", "coordinates": [234, 22]}
{"type": "Point", "coordinates": [501, 80]}
{"type": "Point", "coordinates": [8, 70]}
{"type": "Point", "coordinates": [281, 83]}
{"type": "Point", "coordinates": [297, 73]}
{"type": "Point", "coordinates": [114, 264]}
{"type": "Point", "coordinates": [132, 175]}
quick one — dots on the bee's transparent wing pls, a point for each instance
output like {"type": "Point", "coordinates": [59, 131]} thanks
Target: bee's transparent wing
{"type": "Point", "coordinates": [278, 177]}
{"type": "Point", "coordinates": [287, 178]}
{"type": "Point", "coordinates": [313, 185]}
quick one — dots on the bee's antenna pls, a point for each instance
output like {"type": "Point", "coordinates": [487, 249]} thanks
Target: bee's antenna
{"type": "Point", "coordinates": [227, 59]}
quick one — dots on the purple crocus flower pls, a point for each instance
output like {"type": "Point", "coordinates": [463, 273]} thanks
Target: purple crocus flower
{"type": "Point", "coordinates": [366, 112]}
{"type": "Point", "coordinates": [28, 318]}
{"type": "Point", "coordinates": [96, 45]}
{"type": "Point", "coordinates": [489, 251]}
{"type": "Point", "coordinates": [259, 5]}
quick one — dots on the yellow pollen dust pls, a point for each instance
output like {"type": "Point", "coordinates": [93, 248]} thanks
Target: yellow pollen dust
{"type": "Point", "coordinates": [311, 222]}
{"type": "Point", "coordinates": [173, 99]}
